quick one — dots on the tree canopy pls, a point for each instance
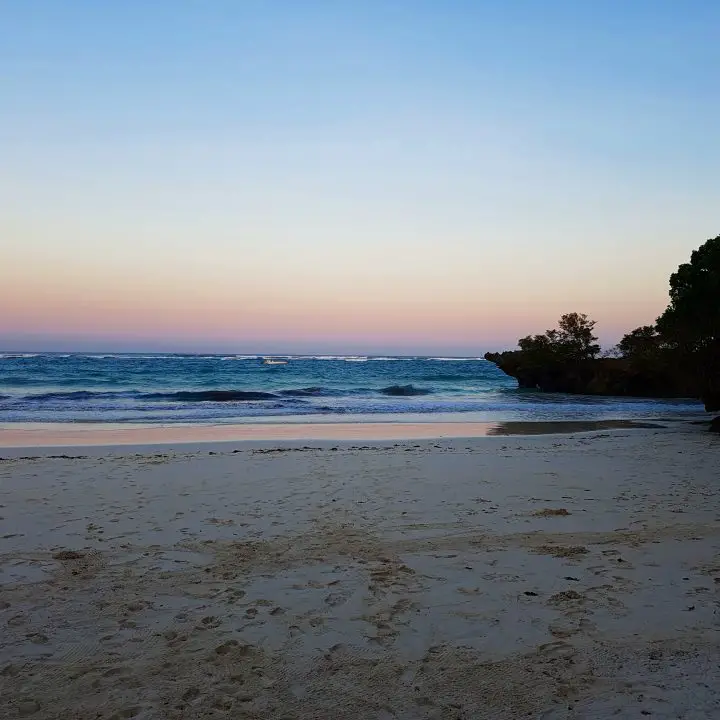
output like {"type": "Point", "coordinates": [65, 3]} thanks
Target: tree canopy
{"type": "Point", "coordinates": [572, 340]}
{"type": "Point", "coordinates": [692, 320]}
{"type": "Point", "coordinates": [691, 323]}
{"type": "Point", "coordinates": [687, 334]}
{"type": "Point", "coordinates": [643, 343]}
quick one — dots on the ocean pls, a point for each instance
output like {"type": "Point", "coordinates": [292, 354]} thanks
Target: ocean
{"type": "Point", "coordinates": [133, 388]}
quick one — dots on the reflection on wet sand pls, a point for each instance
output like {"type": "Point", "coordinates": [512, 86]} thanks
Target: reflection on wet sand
{"type": "Point", "coordinates": [550, 428]}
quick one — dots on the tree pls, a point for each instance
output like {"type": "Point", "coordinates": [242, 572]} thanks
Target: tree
{"type": "Point", "coordinates": [573, 340]}
{"type": "Point", "coordinates": [643, 343]}
{"type": "Point", "coordinates": [576, 334]}
{"type": "Point", "coordinates": [692, 320]}
{"type": "Point", "coordinates": [691, 323]}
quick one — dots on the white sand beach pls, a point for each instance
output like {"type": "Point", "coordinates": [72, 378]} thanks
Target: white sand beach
{"type": "Point", "coordinates": [556, 576]}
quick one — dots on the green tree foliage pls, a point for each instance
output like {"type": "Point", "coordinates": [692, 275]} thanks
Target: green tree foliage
{"type": "Point", "coordinates": [692, 320]}
{"type": "Point", "coordinates": [573, 340]}
{"type": "Point", "coordinates": [643, 343]}
{"type": "Point", "coordinates": [691, 323]}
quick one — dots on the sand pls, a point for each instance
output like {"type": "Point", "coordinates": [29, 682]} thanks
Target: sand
{"type": "Point", "coordinates": [88, 434]}
{"type": "Point", "coordinates": [559, 576]}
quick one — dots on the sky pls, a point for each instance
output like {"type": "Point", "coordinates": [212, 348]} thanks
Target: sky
{"type": "Point", "coordinates": [331, 176]}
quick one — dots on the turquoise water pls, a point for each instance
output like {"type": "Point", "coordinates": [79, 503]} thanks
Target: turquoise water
{"type": "Point", "coordinates": [37, 387]}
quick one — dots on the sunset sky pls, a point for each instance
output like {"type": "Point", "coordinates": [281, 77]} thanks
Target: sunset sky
{"type": "Point", "coordinates": [326, 176]}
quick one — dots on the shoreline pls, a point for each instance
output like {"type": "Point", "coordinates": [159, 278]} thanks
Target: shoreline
{"type": "Point", "coordinates": [23, 435]}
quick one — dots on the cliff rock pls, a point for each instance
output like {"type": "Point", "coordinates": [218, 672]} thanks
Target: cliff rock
{"type": "Point", "coordinates": [605, 376]}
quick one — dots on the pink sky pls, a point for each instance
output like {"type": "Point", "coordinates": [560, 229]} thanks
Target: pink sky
{"type": "Point", "coordinates": [60, 307]}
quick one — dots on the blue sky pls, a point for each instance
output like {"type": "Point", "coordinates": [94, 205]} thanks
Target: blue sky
{"type": "Point", "coordinates": [336, 176]}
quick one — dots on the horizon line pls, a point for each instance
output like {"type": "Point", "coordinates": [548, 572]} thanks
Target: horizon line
{"type": "Point", "coordinates": [248, 355]}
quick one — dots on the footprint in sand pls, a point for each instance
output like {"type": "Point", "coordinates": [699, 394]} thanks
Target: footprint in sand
{"type": "Point", "coordinates": [80, 564]}
{"type": "Point", "coordinates": [227, 647]}
{"type": "Point", "coordinates": [190, 694]}
{"type": "Point", "coordinates": [126, 713]}
{"type": "Point", "coordinates": [28, 707]}
{"type": "Point", "coordinates": [335, 599]}
{"type": "Point", "coordinates": [209, 622]}
{"type": "Point", "coordinates": [556, 650]}
{"type": "Point", "coordinates": [38, 638]}
{"type": "Point", "coordinates": [566, 596]}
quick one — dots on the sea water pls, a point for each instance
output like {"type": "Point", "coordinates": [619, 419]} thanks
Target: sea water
{"type": "Point", "coordinates": [49, 387]}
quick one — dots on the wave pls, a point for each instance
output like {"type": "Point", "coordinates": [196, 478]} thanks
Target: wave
{"type": "Point", "coordinates": [304, 392]}
{"type": "Point", "coordinates": [130, 356]}
{"type": "Point", "coordinates": [125, 356]}
{"type": "Point", "coordinates": [346, 358]}
{"type": "Point", "coordinates": [454, 359]}
{"type": "Point", "coordinates": [510, 398]}
{"type": "Point", "coordinates": [447, 377]}
{"type": "Point", "coordinates": [212, 396]}
{"type": "Point", "coordinates": [80, 395]}
{"type": "Point", "coordinates": [18, 356]}
{"type": "Point", "coordinates": [404, 390]}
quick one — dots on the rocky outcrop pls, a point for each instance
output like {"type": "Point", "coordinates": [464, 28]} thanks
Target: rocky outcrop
{"type": "Point", "coordinates": [715, 425]}
{"type": "Point", "coordinates": [712, 401]}
{"type": "Point", "coordinates": [605, 376]}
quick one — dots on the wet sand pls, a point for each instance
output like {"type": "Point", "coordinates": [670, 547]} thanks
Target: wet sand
{"type": "Point", "coordinates": [82, 434]}
{"type": "Point", "coordinates": [558, 576]}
